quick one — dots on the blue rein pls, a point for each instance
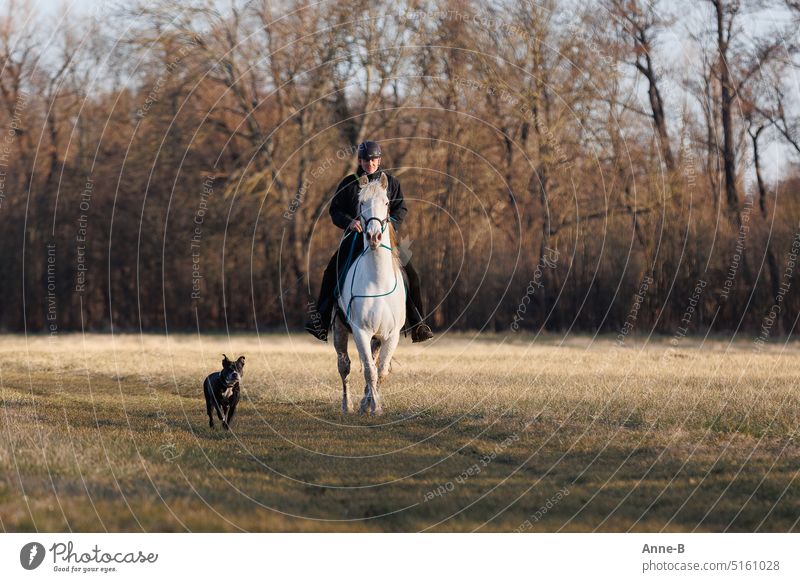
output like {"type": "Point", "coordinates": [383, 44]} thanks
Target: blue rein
{"type": "Point", "coordinates": [383, 224]}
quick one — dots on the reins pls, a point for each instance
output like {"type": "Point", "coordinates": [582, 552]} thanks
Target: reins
{"type": "Point", "coordinates": [355, 267]}
{"type": "Point", "coordinates": [364, 225]}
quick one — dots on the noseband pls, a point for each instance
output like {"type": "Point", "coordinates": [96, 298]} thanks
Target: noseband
{"type": "Point", "coordinates": [383, 223]}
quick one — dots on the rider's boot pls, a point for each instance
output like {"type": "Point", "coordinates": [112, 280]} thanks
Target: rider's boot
{"type": "Point", "coordinates": [420, 331]}
{"type": "Point", "coordinates": [319, 319]}
{"type": "Point", "coordinates": [319, 312]}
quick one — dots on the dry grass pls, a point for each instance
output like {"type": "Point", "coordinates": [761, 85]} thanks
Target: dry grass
{"type": "Point", "coordinates": [103, 433]}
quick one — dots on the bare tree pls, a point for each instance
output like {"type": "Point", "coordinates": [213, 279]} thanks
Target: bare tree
{"type": "Point", "coordinates": [639, 26]}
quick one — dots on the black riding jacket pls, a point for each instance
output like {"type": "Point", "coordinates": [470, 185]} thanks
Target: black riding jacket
{"type": "Point", "coordinates": [344, 206]}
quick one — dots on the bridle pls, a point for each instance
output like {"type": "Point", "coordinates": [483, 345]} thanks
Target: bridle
{"type": "Point", "coordinates": [383, 222]}
{"type": "Point", "coordinates": [364, 223]}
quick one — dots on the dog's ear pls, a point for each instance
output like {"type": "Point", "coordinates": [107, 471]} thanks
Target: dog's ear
{"type": "Point", "coordinates": [225, 361]}
{"type": "Point", "coordinates": [240, 362]}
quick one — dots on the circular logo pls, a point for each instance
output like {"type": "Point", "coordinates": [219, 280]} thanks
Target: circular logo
{"type": "Point", "coordinates": [31, 555]}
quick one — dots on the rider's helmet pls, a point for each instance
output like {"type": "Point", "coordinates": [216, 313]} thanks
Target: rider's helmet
{"type": "Point", "coordinates": [369, 150]}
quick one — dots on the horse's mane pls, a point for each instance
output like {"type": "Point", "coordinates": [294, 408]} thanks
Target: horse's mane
{"type": "Point", "coordinates": [394, 245]}
{"type": "Point", "coordinates": [367, 193]}
{"type": "Point", "coordinates": [370, 191]}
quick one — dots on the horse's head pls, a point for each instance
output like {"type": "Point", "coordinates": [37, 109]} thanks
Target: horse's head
{"type": "Point", "coordinates": [373, 206]}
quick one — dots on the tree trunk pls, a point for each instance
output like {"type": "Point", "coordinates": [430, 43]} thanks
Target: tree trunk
{"type": "Point", "coordinates": [772, 261]}
{"type": "Point", "coordinates": [727, 96]}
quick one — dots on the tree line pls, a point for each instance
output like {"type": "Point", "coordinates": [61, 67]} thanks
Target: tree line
{"type": "Point", "coordinates": [168, 166]}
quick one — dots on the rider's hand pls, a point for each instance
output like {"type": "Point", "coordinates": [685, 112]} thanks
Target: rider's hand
{"type": "Point", "coordinates": [356, 225]}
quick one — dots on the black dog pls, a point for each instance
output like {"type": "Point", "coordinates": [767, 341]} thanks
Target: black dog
{"type": "Point", "coordinates": [222, 391]}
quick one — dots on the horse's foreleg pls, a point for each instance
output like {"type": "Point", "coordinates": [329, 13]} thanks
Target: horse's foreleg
{"type": "Point", "coordinates": [376, 348]}
{"type": "Point", "coordinates": [343, 360]}
{"type": "Point", "coordinates": [387, 351]}
{"type": "Point", "coordinates": [363, 343]}
{"type": "Point", "coordinates": [388, 347]}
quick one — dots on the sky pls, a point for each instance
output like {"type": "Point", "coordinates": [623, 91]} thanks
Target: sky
{"type": "Point", "coordinates": [673, 50]}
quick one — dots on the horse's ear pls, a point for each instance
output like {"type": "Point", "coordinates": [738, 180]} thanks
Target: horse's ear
{"type": "Point", "coordinates": [363, 181]}
{"type": "Point", "coordinates": [384, 181]}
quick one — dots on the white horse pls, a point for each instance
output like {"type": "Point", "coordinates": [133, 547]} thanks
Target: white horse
{"type": "Point", "coordinates": [372, 297]}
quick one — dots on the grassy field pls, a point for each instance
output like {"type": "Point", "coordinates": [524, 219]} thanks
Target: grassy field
{"type": "Point", "coordinates": [479, 433]}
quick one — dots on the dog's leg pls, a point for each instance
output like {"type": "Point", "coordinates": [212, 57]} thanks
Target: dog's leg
{"type": "Point", "coordinates": [231, 411]}
{"type": "Point", "coordinates": [217, 407]}
{"type": "Point", "coordinates": [209, 394]}
{"type": "Point", "coordinates": [343, 360]}
{"type": "Point", "coordinates": [225, 416]}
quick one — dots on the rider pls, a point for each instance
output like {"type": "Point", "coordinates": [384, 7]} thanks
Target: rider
{"type": "Point", "coordinates": [344, 213]}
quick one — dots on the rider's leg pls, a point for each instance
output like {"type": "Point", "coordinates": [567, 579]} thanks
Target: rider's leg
{"type": "Point", "coordinates": [350, 247]}
{"type": "Point", "coordinates": [319, 320]}
{"type": "Point", "coordinates": [319, 316]}
{"type": "Point", "coordinates": [414, 309]}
